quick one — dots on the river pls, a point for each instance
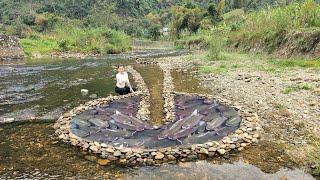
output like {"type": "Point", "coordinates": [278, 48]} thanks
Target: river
{"type": "Point", "coordinates": [35, 95]}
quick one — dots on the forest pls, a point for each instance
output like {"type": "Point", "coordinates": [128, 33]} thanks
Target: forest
{"type": "Point", "coordinates": [107, 26]}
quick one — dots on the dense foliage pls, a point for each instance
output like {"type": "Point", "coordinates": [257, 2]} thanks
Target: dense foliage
{"type": "Point", "coordinates": [43, 20]}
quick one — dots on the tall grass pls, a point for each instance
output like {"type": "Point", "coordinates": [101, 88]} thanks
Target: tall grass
{"type": "Point", "coordinates": [78, 39]}
{"type": "Point", "coordinates": [271, 21]}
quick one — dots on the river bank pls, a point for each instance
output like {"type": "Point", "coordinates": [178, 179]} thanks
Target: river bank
{"type": "Point", "coordinates": [284, 97]}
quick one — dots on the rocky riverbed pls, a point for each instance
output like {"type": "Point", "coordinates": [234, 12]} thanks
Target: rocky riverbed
{"type": "Point", "coordinates": [289, 119]}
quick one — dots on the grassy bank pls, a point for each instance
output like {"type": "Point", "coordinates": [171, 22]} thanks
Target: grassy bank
{"type": "Point", "coordinates": [233, 60]}
{"type": "Point", "coordinates": [285, 31]}
{"type": "Point", "coordinates": [77, 40]}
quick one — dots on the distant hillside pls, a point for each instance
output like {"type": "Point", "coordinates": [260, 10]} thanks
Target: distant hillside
{"type": "Point", "coordinates": [17, 17]}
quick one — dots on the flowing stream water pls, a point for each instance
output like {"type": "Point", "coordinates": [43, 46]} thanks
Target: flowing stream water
{"type": "Point", "coordinates": [35, 95]}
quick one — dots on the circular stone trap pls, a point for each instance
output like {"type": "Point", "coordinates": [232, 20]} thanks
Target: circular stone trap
{"type": "Point", "coordinates": [197, 121]}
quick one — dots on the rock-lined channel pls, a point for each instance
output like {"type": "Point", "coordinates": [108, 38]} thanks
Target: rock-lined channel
{"type": "Point", "coordinates": [197, 126]}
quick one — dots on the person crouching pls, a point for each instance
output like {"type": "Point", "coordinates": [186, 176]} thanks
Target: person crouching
{"type": "Point", "coordinates": [123, 85]}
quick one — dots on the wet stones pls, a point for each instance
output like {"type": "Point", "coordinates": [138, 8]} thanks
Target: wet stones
{"type": "Point", "coordinates": [143, 112]}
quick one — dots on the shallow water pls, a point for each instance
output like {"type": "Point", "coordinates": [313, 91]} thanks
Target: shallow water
{"type": "Point", "coordinates": [153, 76]}
{"type": "Point", "coordinates": [44, 91]}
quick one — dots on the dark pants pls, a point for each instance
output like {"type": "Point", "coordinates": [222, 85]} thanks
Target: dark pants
{"type": "Point", "coordinates": [123, 91]}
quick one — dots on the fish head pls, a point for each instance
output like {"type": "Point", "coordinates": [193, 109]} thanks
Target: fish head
{"type": "Point", "coordinates": [195, 112]}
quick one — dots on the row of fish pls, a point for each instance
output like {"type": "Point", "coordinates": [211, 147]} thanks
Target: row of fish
{"type": "Point", "coordinates": [185, 127]}
{"type": "Point", "coordinates": [116, 125]}
{"type": "Point", "coordinates": [198, 120]}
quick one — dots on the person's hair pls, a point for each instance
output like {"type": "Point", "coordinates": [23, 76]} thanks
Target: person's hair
{"type": "Point", "coordinates": [120, 65]}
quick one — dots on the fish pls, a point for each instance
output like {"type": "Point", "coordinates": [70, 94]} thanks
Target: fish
{"type": "Point", "coordinates": [214, 124]}
{"type": "Point", "coordinates": [192, 120]}
{"type": "Point", "coordinates": [183, 133]}
{"type": "Point", "coordinates": [120, 119]}
{"type": "Point", "coordinates": [135, 120]}
{"type": "Point", "coordinates": [189, 105]}
{"type": "Point", "coordinates": [128, 126]}
{"type": "Point", "coordinates": [210, 101]}
{"type": "Point", "coordinates": [96, 137]}
{"type": "Point", "coordinates": [206, 109]}
{"type": "Point", "coordinates": [112, 124]}
{"type": "Point", "coordinates": [202, 127]}
{"type": "Point", "coordinates": [233, 121]}
{"type": "Point", "coordinates": [80, 122]}
{"type": "Point", "coordinates": [202, 138]}
{"type": "Point", "coordinates": [105, 111]}
{"type": "Point", "coordinates": [174, 128]}
{"type": "Point", "coordinates": [221, 108]}
{"type": "Point", "coordinates": [98, 122]}
{"type": "Point", "coordinates": [211, 116]}
{"type": "Point", "coordinates": [80, 133]}
{"type": "Point", "coordinates": [230, 112]}
{"type": "Point", "coordinates": [125, 123]}
{"type": "Point", "coordinates": [116, 133]}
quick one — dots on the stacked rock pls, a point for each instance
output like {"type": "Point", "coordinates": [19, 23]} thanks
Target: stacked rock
{"type": "Point", "coordinates": [143, 112]}
{"type": "Point", "coordinates": [168, 89]}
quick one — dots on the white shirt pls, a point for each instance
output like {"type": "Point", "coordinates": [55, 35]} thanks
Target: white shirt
{"type": "Point", "coordinates": [123, 80]}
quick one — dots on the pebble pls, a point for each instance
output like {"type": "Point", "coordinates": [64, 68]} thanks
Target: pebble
{"type": "Point", "coordinates": [117, 153]}
{"type": "Point", "coordinates": [94, 148]}
{"type": "Point", "coordinates": [91, 158]}
{"type": "Point", "coordinates": [159, 156]}
{"type": "Point", "coordinates": [233, 146]}
{"type": "Point", "coordinates": [212, 149]}
{"type": "Point", "coordinates": [243, 144]}
{"type": "Point", "coordinates": [112, 158]}
{"type": "Point", "coordinates": [84, 92]}
{"type": "Point", "coordinates": [104, 162]}
{"type": "Point", "coordinates": [204, 151]}
{"type": "Point", "coordinates": [221, 151]}
{"type": "Point", "coordinates": [110, 150]}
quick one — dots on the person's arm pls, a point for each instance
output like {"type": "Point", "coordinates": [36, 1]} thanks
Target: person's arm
{"type": "Point", "coordinates": [128, 83]}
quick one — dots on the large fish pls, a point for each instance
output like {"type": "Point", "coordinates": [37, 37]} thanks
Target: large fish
{"type": "Point", "coordinates": [128, 126]}
{"type": "Point", "coordinates": [174, 128]}
{"type": "Point", "coordinates": [216, 123]}
{"type": "Point", "coordinates": [206, 109]}
{"type": "Point", "coordinates": [233, 121]}
{"type": "Point", "coordinates": [192, 120]}
{"type": "Point", "coordinates": [211, 116]}
{"type": "Point", "coordinates": [105, 111]}
{"type": "Point", "coordinates": [116, 133]}
{"type": "Point", "coordinates": [221, 108]}
{"type": "Point", "coordinates": [98, 122]}
{"type": "Point", "coordinates": [81, 122]}
{"type": "Point", "coordinates": [80, 133]}
{"type": "Point", "coordinates": [190, 105]}
{"type": "Point", "coordinates": [202, 138]}
{"type": "Point", "coordinates": [135, 120]}
{"type": "Point", "coordinates": [120, 119]}
{"type": "Point", "coordinates": [230, 112]}
{"type": "Point", "coordinates": [183, 133]}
